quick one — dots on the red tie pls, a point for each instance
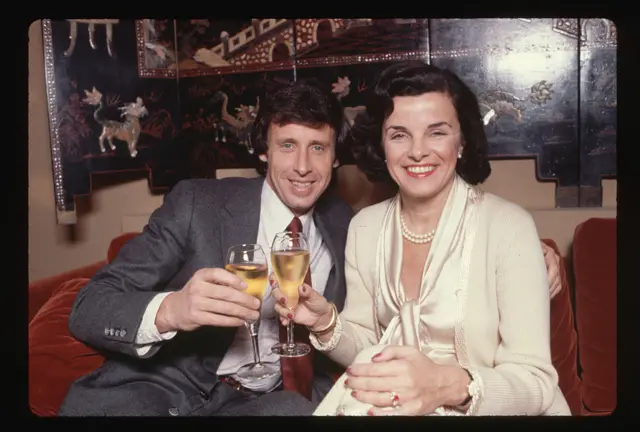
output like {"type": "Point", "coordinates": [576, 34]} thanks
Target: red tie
{"type": "Point", "coordinates": [297, 373]}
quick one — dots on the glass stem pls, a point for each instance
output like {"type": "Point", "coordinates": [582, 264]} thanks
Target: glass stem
{"type": "Point", "coordinates": [253, 331]}
{"type": "Point", "coordinates": [290, 340]}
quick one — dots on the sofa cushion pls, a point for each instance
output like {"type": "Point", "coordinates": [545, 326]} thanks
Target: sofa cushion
{"type": "Point", "coordinates": [56, 359]}
{"type": "Point", "coordinates": [594, 265]}
{"type": "Point", "coordinates": [564, 340]}
{"type": "Point", "coordinates": [41, 290]}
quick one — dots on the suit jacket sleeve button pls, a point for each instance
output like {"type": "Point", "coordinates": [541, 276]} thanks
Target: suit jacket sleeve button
{"type": "Point", "coordinates": [123, 332]}
{"type": "Point", "coordinates": [106, 331]}
{"type": "Point", "coordinates": [174, 411]}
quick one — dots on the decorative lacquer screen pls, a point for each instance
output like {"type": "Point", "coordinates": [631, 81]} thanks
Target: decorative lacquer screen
{"type": "Point", "coordinates": [177, 98]}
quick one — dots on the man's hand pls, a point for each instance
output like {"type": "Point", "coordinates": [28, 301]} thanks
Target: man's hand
{"type": "Point", "coordinates": [212, 297]}
{"type": "Point", "coordinates": [552, 260]}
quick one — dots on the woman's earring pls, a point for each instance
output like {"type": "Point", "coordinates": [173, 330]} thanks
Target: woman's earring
{"type": "Point", "coordinates": [459, 154]}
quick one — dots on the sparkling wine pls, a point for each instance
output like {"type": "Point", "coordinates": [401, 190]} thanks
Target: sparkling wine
{"type": "Point", "coordinates": [290, 268]}
{"type": "Point", "coordinates": [255, 275]}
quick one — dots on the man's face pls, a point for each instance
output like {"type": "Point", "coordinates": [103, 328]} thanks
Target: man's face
{"type": "Point", "coordinates": [300, 160]}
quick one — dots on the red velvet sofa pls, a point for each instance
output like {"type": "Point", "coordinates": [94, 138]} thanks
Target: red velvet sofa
{"type": "Point", "coordinates": [587, 375]}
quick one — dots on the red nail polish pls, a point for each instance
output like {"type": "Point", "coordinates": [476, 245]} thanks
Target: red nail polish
{"type": "Point", "coordinates": [370, 412]}
{"type": "Point", "coordinates": [346, 383]}
{"type": "Point", "coordinates": [376, 356]}
{"type": "Point", "coordinates": [290, 316]}
{"type": "Point", "coordinates": [348, 370]}
{"type": "Point", "coordinates": [396, 398]}
{"type": "Point", "coordinates": [353, 393]}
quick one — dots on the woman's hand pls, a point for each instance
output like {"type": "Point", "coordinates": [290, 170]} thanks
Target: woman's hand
{"type": "Point", "coordinates": [403, 377]}
{"type": "Point", "coordinates": [313, 310]}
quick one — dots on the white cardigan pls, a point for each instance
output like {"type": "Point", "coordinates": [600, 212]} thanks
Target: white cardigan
{"type": "Point", "coordinates": [504, 331]}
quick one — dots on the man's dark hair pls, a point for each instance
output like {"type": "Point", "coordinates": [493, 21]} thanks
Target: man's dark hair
{"type": "Point", "coordinates": [304, 102]}
{"type": "Point", "coordinates": [414, 78]}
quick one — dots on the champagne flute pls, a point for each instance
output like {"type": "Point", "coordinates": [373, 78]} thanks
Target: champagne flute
{"type": "Point", "coordinates": [249, 263]}
{"type": "Point", "coordinates": [290, 261]}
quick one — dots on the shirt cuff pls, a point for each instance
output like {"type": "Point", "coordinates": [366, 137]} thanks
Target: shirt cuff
{"type": "Point", "coordinates": [148, 334]}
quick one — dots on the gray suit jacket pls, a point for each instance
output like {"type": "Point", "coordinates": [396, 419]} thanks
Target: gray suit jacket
{"type": "Point", "coordinates": [197, 223]}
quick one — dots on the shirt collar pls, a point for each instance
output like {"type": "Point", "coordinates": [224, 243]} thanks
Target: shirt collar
{"type": "Point", "coordinates": [276, 216]}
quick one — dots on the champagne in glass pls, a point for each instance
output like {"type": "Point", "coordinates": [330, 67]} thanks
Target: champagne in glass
{"type": "Point", "coordinates": [255, 275]}
{"type": "Point", "coordinates": [290, 267]}
{"type": "Point", "coordinates": [289, 293]}
{"type": "Point", "coordinates": [249, 263]}
{"type": "Point", "coordinates": [290, 261]}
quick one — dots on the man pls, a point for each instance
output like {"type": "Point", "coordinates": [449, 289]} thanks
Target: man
{"type": "Point", "coordinates": [168, 313]}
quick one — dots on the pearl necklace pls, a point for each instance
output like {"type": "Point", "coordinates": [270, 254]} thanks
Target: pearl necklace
{"type": "Point", "coordinates": [413, 237]}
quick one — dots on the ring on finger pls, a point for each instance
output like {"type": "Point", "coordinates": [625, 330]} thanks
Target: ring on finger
{"type": "Point", "coordinates": [394, 399]}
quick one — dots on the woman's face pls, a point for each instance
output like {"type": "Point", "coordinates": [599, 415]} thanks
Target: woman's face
{"type": "Point", "coordinates": [421, 140]}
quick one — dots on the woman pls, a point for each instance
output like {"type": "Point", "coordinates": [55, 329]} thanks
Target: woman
{"type": "Point", "coordinates": [447, 307]}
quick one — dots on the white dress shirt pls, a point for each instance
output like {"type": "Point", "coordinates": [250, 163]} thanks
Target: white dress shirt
{"type": "Point", "coordinates": [274, 218]}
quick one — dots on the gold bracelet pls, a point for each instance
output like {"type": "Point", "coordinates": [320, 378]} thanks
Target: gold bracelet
{"type": "Point", "coordinates": [330, 326]}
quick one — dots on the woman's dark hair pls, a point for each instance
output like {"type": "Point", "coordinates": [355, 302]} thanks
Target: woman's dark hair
{"type": "Point", "coordinates": [304, 102]}
{"type": "Point", "coordinates": [414, 78]}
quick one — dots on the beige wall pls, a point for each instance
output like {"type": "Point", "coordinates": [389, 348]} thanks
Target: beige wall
{"type": "Point", "coordinates": [125, 205]}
